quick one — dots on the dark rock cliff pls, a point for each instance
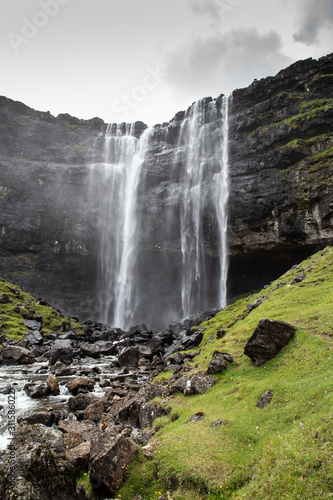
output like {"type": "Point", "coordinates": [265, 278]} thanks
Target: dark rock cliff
{"type": "Point", "coordinates": [281, 190]}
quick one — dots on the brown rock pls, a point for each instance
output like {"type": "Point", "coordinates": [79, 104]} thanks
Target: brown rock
{"type": "Point", "coordinates": [78, 457]}
{"type": "Point", "coordinates": [52, 382]}
{"type": "Point", "coordinates": [80, 383]}
{"type": "Point", "coordinates": [109, 456]}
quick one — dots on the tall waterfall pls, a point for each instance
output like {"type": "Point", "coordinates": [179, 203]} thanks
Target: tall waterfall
{"type": "Point", "coordinates": [162, 217]}
{"type": "Point", "coordinates": [206, 166]}
{"type": "Point", "coordinates": [123, 159]}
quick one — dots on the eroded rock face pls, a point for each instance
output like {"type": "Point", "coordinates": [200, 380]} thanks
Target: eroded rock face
{"type": "Point", "coordinates": [267, 340]}
{"type": "Point", "coordinates": [17, 355]}
{"type": "Point", "coordinates": [281, 202]}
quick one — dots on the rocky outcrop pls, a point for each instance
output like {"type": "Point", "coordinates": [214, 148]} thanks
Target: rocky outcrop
{"type": "Point", "coordinates": [280, 203]}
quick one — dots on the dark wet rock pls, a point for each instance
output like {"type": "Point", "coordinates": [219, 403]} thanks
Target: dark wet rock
{"type": "Point", "coordinates": [37, 417]}
{"type": "Point", "coordinates": [17, 355]}
{"type": "Point", "coordinates": [109, 456]}
{"type": "Point", "coordinates": [142, 328]}
{"type": "Point", "coordinates": [130, 411]}
{"type": "Point", "coordinates": [70, 336]}
{"type": "Point", "coordinates": [61, 350]}
{"type": "Point", "coordinates": [192, 341]}
{"type": "Point", "coordinates": [79, 383]}
{"type": "Point", "coordinates": [129, 357]}
{"type": "Point", "coordinates": [107, 348]}
{"type": "Point", "coordinates": [267, 340]}
{"type": "Point", "coordinates": [37, 390]}
{"type": "Point", "coordinates": [81, 401]}
{"type": "Point", "coordinates": [53, 384]}
{"type": "Point", "coordinates": [265, 399]}
{"type": "Point", "coordinates": [94, 411]}
{"type": "Point", "coordinates": [90, 350]}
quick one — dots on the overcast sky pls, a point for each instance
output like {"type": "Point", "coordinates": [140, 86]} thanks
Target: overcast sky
{"type": "Point", "coordinates": [127, 60]}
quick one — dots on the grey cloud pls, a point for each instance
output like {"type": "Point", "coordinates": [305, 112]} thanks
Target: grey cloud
{"type": "Point", "coordinates": [229, 61]}
{"type": "Point", "coordinates": [315, 15]}
{"type": "Point", "coordinates": [206, 7]}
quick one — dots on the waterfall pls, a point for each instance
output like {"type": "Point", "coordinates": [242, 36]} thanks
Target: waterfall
{"type": "Point", "coordinates": [206, 176]}
{"type": "Point", "coordinates": [221, 183]}
{"type": "Point", "coordinates": [119, 177]}
{"type": "Point", "coordinates": [161, 204]}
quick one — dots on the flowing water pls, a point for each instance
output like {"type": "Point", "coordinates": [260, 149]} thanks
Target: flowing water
{"type": "Point", "coordinates": [163, 218]}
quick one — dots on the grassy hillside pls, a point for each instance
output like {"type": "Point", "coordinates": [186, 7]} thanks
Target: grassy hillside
{"type": "Point", "coordinates": [17, 305]}
{"type": "Point", "coordinates": [283, 451]}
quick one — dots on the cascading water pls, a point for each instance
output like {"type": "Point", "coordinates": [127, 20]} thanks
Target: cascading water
{"type": "Point", "coordinates": [221, 183]}
{"type": "Point", "coordinates": [162, 218]}
{"type": "Point", "coordinates": [206, 167]}
{"type": "Point", "coordinates": [119, 176]}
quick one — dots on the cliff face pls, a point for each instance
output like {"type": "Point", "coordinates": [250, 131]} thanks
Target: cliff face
{"type": "Point", "coordinates": [280, 204]}
{"type": "Point", "coordinates": [281, 166]}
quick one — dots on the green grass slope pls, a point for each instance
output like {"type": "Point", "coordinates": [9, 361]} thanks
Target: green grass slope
{"type": "Point", "coordinates": [283, 451]}
{"type": "Point", "coordinates": [18, 305]}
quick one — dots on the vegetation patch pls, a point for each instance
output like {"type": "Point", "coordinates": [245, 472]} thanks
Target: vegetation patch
{"type": "Point", "coordinates": [284, 450]}
{"type": "Point", "coordinates": [18, 305]}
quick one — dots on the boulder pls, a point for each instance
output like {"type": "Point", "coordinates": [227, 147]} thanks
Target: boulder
{"type": "Point", "coordinates": [33, 325]}
{"type": "Point", "coordinates": [267, 340]}
{"type": "Point", "coordinates": [219, 362]}
{"type": "Point", "coordinates": [129, 357]}
{"type": "Point", "coordinates": [110, 454]}
{"type": "Point", "coordinates": [78, 457]}
{"type": "Point", "coordinates": [199, 384]}
{"type": "Point", "coordinates": [37, 417]}
{"type": "Point", "coordinates": [14, 354]}
{"type": "Point", "coordinates": [80, 383]}
{"type": "Point", "coordinates": [62, 350]}
{"type": "Point", "coordinates": [94, 411]}
{"type": "Point", "coordinates": [39, 461]}
{"type": "Point", "coordinates": [37, 390]}
{"type": "Point", "coordinates": [107, 348]}
{"type": "Point", "coordinates": [76, 432]}
{"type": "Point", "coordinates": [34, 337]}
{"type": "Point", "coordinates": [53, 384]}
{"type": "Point", "coordinates": [90, 350]}
{"type": "Point", "coordinates": [130, 411]}
{"type": "Point", "coordinates": [81, 401]}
